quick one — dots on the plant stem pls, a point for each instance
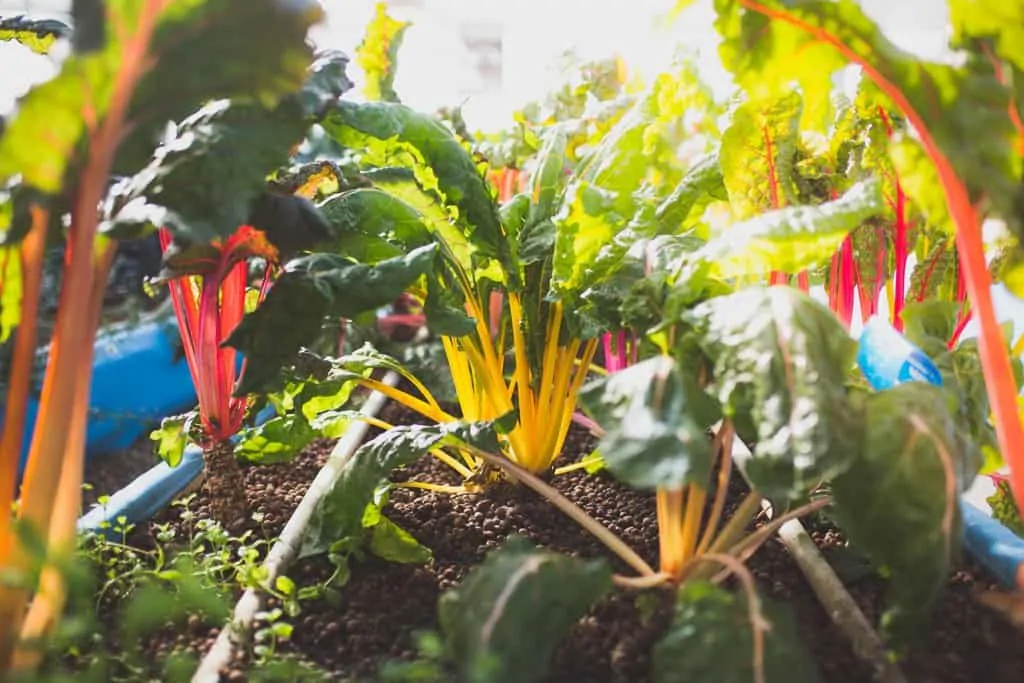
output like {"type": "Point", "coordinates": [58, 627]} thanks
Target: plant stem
{"type": "Point", "coordinates": [600, 531]}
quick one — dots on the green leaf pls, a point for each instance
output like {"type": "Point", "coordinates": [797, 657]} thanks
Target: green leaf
{"type": "Point", "coordinates": [391, 542]}
{"type": "Point", "coordinates": [785, 357]}
{"type": "Point", "coordinates": [378, 52]}
{"type": "Point", "coordinates": [309, 290]}
{"type": "Point", "coordinates": [396, 135]}
{"type": "Point", "coordinates": [655, 434]}
{"type": "Point", "coordinates": [1004, 508]}
{"type": "Point", "coordinates": [197, 51]}
{"type": "Point", "coordinates": [758, 152]}
{"type": "Point", "coordinates": [712, 639]}
{"type": "Point", "coordinates": [899, 500]}
{"type": "Point", "coordinates": [705, 178]}
{"type": "Point", "coordinates": [373, 224]}
{"type": "Point", "coordinates": [37, 35]}
{"type": "Point", "coordinates": [794, 238]}
{"type": "Point", "coordinates": [503, 622]}
{"type": "Point", "coordinates": [997, 20]}
{"type": "Point", "coordinates": [209, 175]}
{"type": "Point", "coordinates": [172, 437]}
{"type": "Point", "coordinates": [339, 515]}
{"type": "Point", "coordinates": [277, 440]}
{"type": "Point", "coordinates": [10, 290]}
{"type": "Point", "coordinates": [808, 41]}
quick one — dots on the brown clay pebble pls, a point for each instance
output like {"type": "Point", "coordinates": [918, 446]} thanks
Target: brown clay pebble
{"type": "Point", "coordinates": [384, 605]}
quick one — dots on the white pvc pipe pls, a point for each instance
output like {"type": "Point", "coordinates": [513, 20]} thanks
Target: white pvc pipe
{"type": "Point", "coordinates": [287, 547]}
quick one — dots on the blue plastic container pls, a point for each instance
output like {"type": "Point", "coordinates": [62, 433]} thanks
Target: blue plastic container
{"type": "Point", "coordinates": [137, 381]}
{"type": "Point", "coordinates": [887, 358]}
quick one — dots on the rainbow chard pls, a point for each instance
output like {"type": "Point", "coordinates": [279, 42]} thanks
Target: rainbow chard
{"type": "Point", "coordinates": [768, 43]}
{"type": "Point", "coordinates": [132, 69]}
{"type": "Point", "coordinates": [209, 293]}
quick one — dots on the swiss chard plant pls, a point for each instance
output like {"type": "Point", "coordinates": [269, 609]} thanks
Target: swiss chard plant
{"type": "Point", "coordinates": [769, 44]}
{"type": "Point", "coordinates": [278, 233]}
{"type": "Point", "coordinates": [133, 67]}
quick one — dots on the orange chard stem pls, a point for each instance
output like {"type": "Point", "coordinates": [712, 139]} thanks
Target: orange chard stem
{"type": "Point", "coordinates": [51, 593]}
{"type": "Point", "coordinates": [73, 338]}
{"type": "Point", "coordinates": [995, 360]}
{"type": "Point", "coordinates": [32, 250]}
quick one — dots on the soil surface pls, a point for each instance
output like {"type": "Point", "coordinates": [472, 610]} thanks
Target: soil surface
{"type": "Point", "coordinates": [384, 605]}
{"type": "Point", "coordinates": [107, 474]}
{"type": "Point", "coordinates": [273, 492]}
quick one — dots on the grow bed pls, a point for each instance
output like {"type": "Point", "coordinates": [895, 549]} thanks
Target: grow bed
{"type": "Point", "coordinates": [376, 615]}
{"type": "Point", "coordinates": [385, 604]}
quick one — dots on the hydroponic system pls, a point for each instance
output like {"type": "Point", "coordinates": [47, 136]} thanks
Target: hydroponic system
{"type": "Point", "coordinates": [301, 383]}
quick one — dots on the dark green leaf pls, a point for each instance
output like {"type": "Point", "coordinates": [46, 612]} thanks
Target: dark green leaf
{"type": "Point", "coordinates": [503, 622]}
{"type": "Point", "coordinates": [390, 132]}
{"type": "Point", "coordinates": [339, 515]}
{"type": "Point", "coordinates": [372, 224]}
{"type": "Point", "coordinates": [712, 639]}
{"type": "Point", "coordinates": [195, 52]}
{"type": "Point", "coordinates": [655, 424]}
{"type": "Point", "coordinates": [209, 175]}
{"type": "Point", "coordinates": [899, 500]}
{"type": "Point", "coordinates": [786, 357]}
{"type": "Point", "coordinates": [309, 290]}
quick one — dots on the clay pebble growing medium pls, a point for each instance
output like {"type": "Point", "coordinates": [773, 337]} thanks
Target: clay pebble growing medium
{"type": "Point", "coordinates": [273, 492]}
{"type": "Point", "coordinates": [384, 605]}
{"type": "Point", "coordinates": [108, 474]}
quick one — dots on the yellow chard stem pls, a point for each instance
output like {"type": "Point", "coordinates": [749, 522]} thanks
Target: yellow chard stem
{"type": "Point", "coordinates": [692, 519]}
{"type": "Point", "coordinates": [409, 401]}
{"type": "Point", "coordinates": [670, 530]}
{"type": "Point", "coordinates": [725, 436]}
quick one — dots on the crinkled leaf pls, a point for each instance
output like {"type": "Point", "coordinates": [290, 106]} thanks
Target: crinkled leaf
{"type": "Point", "coordinates": [339, 514]}
{"type": "Point", "coordinates": [772, 43]}
{"type": "Point", "coordinates": [377, 54]}
{"type": "Point", "coordinates": [373, 224]}
{"type": "Point", "coordinates": [899, 499]}
{"type": "Point", "coordinates": [209, 175]}
{"type": "Point", "coordinates": [785, 357]}
{"type": "Point", "coordinates": [403, 137]}
{"type": "Point", "coordinates": [37, 35]}
{"type": "Point", "coordinates": [309, 290]}
{"type": "Point", "coordinates": [655, 423]}
{"type": "Point", "coordinates": [196, 52]}
{"type": "Point", "coordinates": [704, 179]}
{"type": "Point", "coordinates": [757, 154]}
{"type": "Point", "coordinates": [793, 238]}
{"type": "Point", "coordinates": [934, 278]}
{"type": "Point", "coordinates": [503, 622]}
{"type": "Point", "coordinates": [712, 639]}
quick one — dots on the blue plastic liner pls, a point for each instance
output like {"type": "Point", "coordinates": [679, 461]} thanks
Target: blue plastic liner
{"type": "Point", "coordinates": [887, 358]}
{"type": "Point", "coordinates": [151, 492]}
{"type": "Point", "coordinates": [137, 381]}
